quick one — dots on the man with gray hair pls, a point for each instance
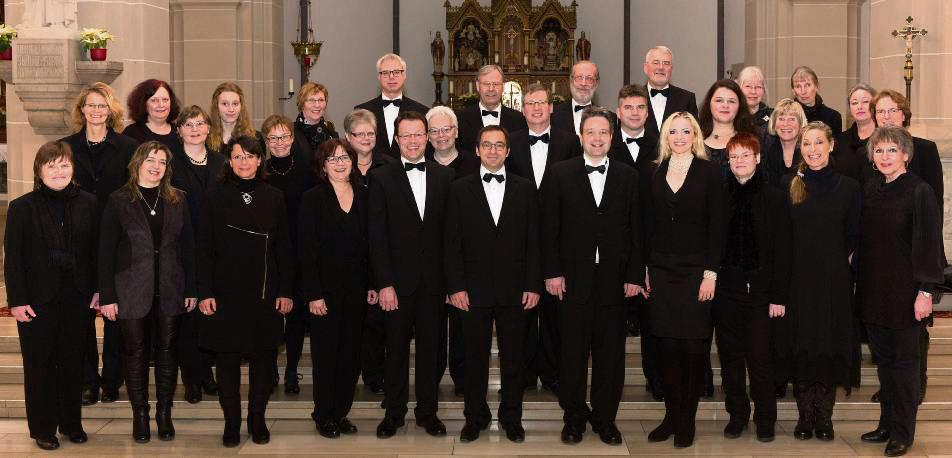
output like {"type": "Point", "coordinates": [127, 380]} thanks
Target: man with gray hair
{"type": "Point", "coordinates": [392, 74]}
{"type": "Point", "coordinates": [489, 111]}
{"type": "Point", "coordinates": [664, 98]}
{"type": "Point", "coordinates": [583, 82]}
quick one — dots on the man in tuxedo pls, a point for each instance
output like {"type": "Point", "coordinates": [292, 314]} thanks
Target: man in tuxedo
{"type": "Point", "coordinates": [407, 203]}
{"type": "Point", "coordinates": [664, 98]}
{"type": "Point", "coordinates": [637, 147]}
{"type": "Point", "coordinates": [392, 74]}
{"type": "Point", "coordinates": [592, 261]}
{"type": "Point", "coordinates": [583, 82]}
{"type": "Point", "coordinates": [489, 111]}
{"type": "Point", "coordinates": [493, 275]}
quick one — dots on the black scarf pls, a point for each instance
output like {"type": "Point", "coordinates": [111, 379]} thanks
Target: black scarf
{"type": "Point", "coordinates": [315, 133]}
{"type": "Point", "coordinates": [821, 180]}
{"type": "Point", "coordinates": [741, 252]}
{"type": "Point", "coordinates": [54, 219]}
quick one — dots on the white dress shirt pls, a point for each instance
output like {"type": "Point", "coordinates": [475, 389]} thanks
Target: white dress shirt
{"type": "Point", "coordinates": [495, 191]}
{"type": "Point", "coordinates": [417, 185]}
{"type": "Point", "coordinates": [577, 115]}
{"type": "Point", "coordinates": [658, 103]}
{"type": "Point", "coordinates": [633, 147]}
{"type": "Point", "coordinates": [539, 154]}
{"type": "Point", "coordinates": [390, 113]}
{"type": "Point", "coordinates": [490, 120]}
{"type": "Point", "coordinates": [597, 180]}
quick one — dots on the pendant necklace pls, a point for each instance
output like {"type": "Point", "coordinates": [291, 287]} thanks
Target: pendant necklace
{"type": "Point", "coordinates": [153, 206]}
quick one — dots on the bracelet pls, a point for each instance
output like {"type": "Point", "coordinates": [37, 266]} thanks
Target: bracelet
{"type": "Point", "coordinates": [710, 275]}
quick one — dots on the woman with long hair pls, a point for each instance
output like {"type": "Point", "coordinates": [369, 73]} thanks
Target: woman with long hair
{"type": "Point", "coordinates": [229, 116]}
{"type": "Point", "coordinates": [153, 108]}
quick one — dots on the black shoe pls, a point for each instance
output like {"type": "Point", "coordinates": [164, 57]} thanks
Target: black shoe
{"type": "Point", "coordinates": [432, 425]}
{"type": "Point", "coordinates": [329, 429]}
{"type": "Point", "coordinates": [662, 432]}
{"type": "Point", "coordinates": [210, 387]}
{"type": "Point", "coordinates": [470, 432]}
{"type": "Point", "coordinates": [458, 390]}
{"type": "Point", "coordinates": [609, 434]}
{"type": "Point", "coordinates": [734, 429]}
{"type": "Point", "coordinates": [193, 393]}
{"type": "Point", "coordinates": [782, 391]}
{"type": "Point", "coordinates": [514, 431]}
{"type": "Point", "coordinates": [109, 394]}
{"type": "Point", "coordinates": [572, 434]}
{"type": "Point", "coordinates": [375, 387]}
{"type": "Point", "coordinates": [388, 427]}
{"type": "Point", "coordinates": [292, 383]}
{"type": "Point", "coordinates": [708, 391]}
{"type": "Point", "coordinates": [657, 394]}
{"type": "Point", "coordinates": [632, 329]}
{"type": "Point", "coordinates": [765, 433]}
{"type": "Point", "coordinates": [78, 437]}
{"type": "Point", "coordinates": [552, 387]}
{"type": "Point", "coordinates": [232, 435]}
{"type": "Point", "coordinates": [258, 428]}
{"type": "Point", "coordinates": [163, 421]}
{"type": "Point", "coordinates": [803, 430]}
{"type": "Point", "coordinates": [895, 448]}
{"type": "Point", "coordinates": [824, 431]}
{"type": "Point", "coordinates": [879, 436]}
{"type": "Point", "coordinates": [875, 397]}
{"type": "Point", "coordinates": [49, 443]}
{"type": "Point", "coordinates": [141, 430]}
{"type": "Point", "coordinates": [346, 427]}
{"type": "Point", "coordinates": [90, 397]}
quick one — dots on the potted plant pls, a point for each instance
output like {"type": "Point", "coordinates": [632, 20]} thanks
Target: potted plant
{"type": "Point", "coordinates": [95, 41]}
{"type": "Point", "coordinates": [7, 34]}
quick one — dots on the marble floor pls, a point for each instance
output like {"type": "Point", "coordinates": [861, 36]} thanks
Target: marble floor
{"type": "Point", "coordinates": [297, 437]}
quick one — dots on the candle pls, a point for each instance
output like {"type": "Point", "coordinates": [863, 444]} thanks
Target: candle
{"type": "Point", "coordinates": [553, 87]}
{"type": "Point", "coordinates": [525, 59]}
{"type": "Point", "coordinates": [290, 85]}
{"type": "Point", "coordinates": [470, 87]}
{"type": "Point", "coordinates": [451, 86]}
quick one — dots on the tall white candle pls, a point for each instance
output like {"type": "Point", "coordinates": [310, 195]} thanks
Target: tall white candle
{"type": "Point", "coordinates": [290, 85]}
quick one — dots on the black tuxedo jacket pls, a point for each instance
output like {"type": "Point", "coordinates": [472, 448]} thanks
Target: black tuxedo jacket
{"type": "Point", "coordinates": [375, 106]}
{"type": "Point", "coordinates": [678, 100]}
{"type": "Point", "coordinates": [471, 121]}
{"type": "Point", "coordinates": [406, 252]}
{"type": "Point", "coordinates": [573, 226]}
{"type": "Point", "coordinates": [563, 144]}
{"type": "Point", "coordinates": [493, 263]}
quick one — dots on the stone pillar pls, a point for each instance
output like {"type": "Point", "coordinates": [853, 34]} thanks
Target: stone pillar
{"type": "Point", "coordinates": [784, 34]}
{"type": "Point", "coordinates": [247, 41]}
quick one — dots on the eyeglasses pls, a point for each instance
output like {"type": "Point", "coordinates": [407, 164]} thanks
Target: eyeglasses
{"type": "Point", "coordinates": [194, 125]}
{"type": "Point", "coordinates": [337, 159]}
{"type": "Point", "coordinates": [97, 106]}
{"type": "Point", "coordinates": [737, 157]}
{"type": "Point", "coordinates": [492, 85]}
{"type": "Point", "coordinates": [279, 138]}
{"type": "Point", "coordinates": [159, 100]}
{"type": "Point", "coordinates": [890, 111]}
{"type": "Point", "coordinates": [409, 136]}
{"type": "Point", "coordinates": [363, 135]}
{"type": "Point", "coordinates": [442, 130]}
{"type": "Point", "coordinates": [584, 79]}
{"type": "Point", "coordinates": [390, 73]}
{"type": "Point", "coordinates": [534, 103]}
{"type": "Point", "coordinates": [891, 151]}
{"type": "Point", "coordinates": [492, 146]}
{"type": "Point", "coordinates": [243, 157]}
{"type": "Point", "coordinates": [311, 101]}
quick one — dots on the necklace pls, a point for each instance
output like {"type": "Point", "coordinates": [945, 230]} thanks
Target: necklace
{"type": "Point", "coordinates": [718, 136]}
{"type": "Point", "coordinates": [680, 163]}
{"type": "Point", "coordinates": [247, 197]}
{"type": "Point", "coordinates": [153, 206]}
{"type": "Point", "coordinates": [90, 143]}
{"type": "Point", "coordinates": [285, 172]}
{"type": "Point", "coordinates": [201, 162]}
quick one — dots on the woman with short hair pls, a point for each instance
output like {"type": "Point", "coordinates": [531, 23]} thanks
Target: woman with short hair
{"type": "Point", "coordinates": [780, 145]}
{"type": "Point", "coordinates": [311, 127]}
{"type": "Point", "coordinates": [754, 85]}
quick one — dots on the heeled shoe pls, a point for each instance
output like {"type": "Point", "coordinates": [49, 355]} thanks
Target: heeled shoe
{"type": "Point", "coordinates": [141, 432]}
{"type": "Point", "coordinates": [193, 393]}
{"type": "Point", "coordinates": [210, 386]}
{"type": "Point", "coordinates": [292, 384]}
{"type": "Point", "coordinates": [662, 432]}
{"type": "Point", "coordinates": [258, 428]}
{"type": "Point", "coordinates": [163, 421]}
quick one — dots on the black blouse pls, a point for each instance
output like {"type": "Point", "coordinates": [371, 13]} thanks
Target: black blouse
{"type": "Point", "coordinates": [771, 160]}
{"type": "Point", "coordinates": [466, 162]}
{"type": "Point", "coordinates": [821, 112]}
{"type": "Point", "coordinates": [141, 133]}
{"type": "Point", "coordinates": [849, 155]}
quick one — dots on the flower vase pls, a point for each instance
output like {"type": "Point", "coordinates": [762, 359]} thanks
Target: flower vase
{"type": "Point", "coordinates": [7, 54]}
{"type": "Point", "coordinates": [97, 54]}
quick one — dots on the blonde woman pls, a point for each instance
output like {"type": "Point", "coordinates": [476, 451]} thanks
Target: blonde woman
{"type": "Point", "coordinates": [229, 116]}
{"type": "Point", "coordinates": [780, 148]}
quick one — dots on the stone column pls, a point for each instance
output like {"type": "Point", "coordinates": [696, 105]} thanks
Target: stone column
{"type": "Point", "coordinates": [784, 34]}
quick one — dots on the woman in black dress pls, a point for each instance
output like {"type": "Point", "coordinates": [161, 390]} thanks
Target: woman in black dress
{"type": "Point", "coordinates": [311, 127]}
{"type": "Point", "coordinates": [153, 107]}
{"type": "Point", "coordinates": [751, 80]}
{"type": "Point", "coordinates": [751, 289]}
{"type": "Point", "coordinates": [148, 219]}
{"type": "Point", "coordinates": [685, 241]}
{"type": "Point", "coordinates": [815, 338]}
{"type": "Point", "coordinates": [49, 268]}
{"type": "Point", "coordinates": [335, 278]}
{"type": "Point", "coordinates": [290, 171]}
{"type": "Point", "coordinates": [780, 145]}
{"type": "Point", "coordinates": [724, 113]}
{"type": "Point", "coordinates": [898, 264]}
{"type": "Point", "coordinates": [245, 282]}
{"type": "Point", "coordinates": [804, 85]}
{"type": "Point", "coordinates": [197, 169]}
{"type": "Point", "coordinates": [849, 155]}
{"type": "Point", "coordinates": [101, 158]}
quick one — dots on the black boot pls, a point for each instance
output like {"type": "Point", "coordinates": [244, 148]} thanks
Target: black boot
{"type": "Point", "coordinates": [163, 421]}
{"type": "Point", "coordinates": [695, 383]}
{"type": "Point", "coordinates": [258, 428]}
{"type": "Point", "coordinates": [807, 415]}
{"type": "Point", "coordinates": [232, 435]}
{"type": "Point", "coordinates": [141, 432]}
{"type": "Point", "coordinates": [166, 375]}
{"type": "Point", "coordinates": [825, 400]}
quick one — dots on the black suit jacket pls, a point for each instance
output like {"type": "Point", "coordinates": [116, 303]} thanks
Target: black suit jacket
{"type": "Point", "coordinates": [471, 121]}
{"type": "Point", "coordinates": [126, 250]}
{"type": "Point", "coordinates": [112, 172]}
{"type": "Point", "coordinates": [563, 144]}
{"type": "Point", "coordinates": [406, 251]}
{"type": "Point", "coordinates": [573, 226]}
{"type": "Point", "coordinates": [493, 263]}
{"type": "Point", "coordinates": [678, 100]}
{"type": "Point", "coordinates": [30, 276]}
{"type": "Point", "coordinates": [326, 266]}
{"type": "Point", "coordinates": [375, 106]}
{"type": "Point", "coordinates": [645, 165]}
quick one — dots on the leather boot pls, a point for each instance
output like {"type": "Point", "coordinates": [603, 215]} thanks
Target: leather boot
{"type": "Point", "coordinates": [163, 421]}
{"type": "Point", "coordinates": [825, 400]}
{"type": "Point", "coordinates": [258, 428]}
{"type": "Point", "coordinates": [141, 432]}
{"type": "Point", "coordinates": [232, 435]}
{"type": "Point", "coordinates": [695, 376]}
{"type": "Point", "coordinates": [807, 415]}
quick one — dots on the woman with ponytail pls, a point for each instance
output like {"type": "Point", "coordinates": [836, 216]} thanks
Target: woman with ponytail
{"type": "Point", "coordinates": [815, 341]}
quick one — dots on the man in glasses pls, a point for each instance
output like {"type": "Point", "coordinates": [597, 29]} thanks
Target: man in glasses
{"type": "Point", "coordinates": [583, 82]}
{"type": "Point", "coordinates": [407, 203]}
{"type": "Point", "coordinates": [489, 111]}
{"type": "Point", "coordinates": [392, 74]}
{"type": "Point", "coordinates": [664, 99]}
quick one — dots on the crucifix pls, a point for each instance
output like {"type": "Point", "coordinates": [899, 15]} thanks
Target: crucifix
{"type": "Point", "coordinates": [908, 33]}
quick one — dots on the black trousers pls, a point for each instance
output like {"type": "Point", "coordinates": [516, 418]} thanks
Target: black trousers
{"type": "Point", "coordinates": [296, 324]}
{"type": "Point", "coordinates": [136, 357]}
{"type": "Point", "coordinates": [335, 353]}
{"type": "Point", "coordinates": [52, 346]}
{"type": "Point", "coordinates": [195, 362]}
{"type": "Point", "coordinates": [743, 345]}
{"type": "Point", "coordinates": [452, 353]}
{"type": "Point", "coordinates": [417, 316]}
{"type": "Point", "coordinates": [897, 363]}
{"type": "Point", "coordinates": [262, 365]}
{"type": "Point", "coordinates": [374, 346]}
{"type": "Point", "coordinates": [683, 373]}
{"type": "Point", "coordinates": [477, 327]}
{"type": "Point", "coordinates": [111, 355]}
{"type": "Point", "coordinates": [596, 330]}
{"type": "Point", "coordinates": [542, 341]}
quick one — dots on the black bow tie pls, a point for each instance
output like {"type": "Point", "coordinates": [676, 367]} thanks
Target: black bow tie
{"type": "Point", "coordinates": [600, 169]}
{"type": "Point", "coordinates": [630, 140]}
{"type": "Point", "coordinates": [544, 138]}
{"type": "Point", "coordinates": [581, 107]}
{"type": "Point", "coordinates": [487, 177]}
{"type": "Point", "coordinates": [490, 113]}
{"type": "Point", "coordinates": [421, 166]}
{"type": "Point", "coordinates": [663, 92]}
{"type": "Point", "coordinates": [394, 102]}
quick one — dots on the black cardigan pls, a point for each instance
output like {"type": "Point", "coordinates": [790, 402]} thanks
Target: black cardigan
{"type": "Point", "coordinates": [112, 173]}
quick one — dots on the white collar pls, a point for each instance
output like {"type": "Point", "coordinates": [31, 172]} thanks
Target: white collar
{"type": "Point", "coordinates": [399, 97]}
{"type": "Point", "coordinates": [625, 135]}
{"type": "Point", "coordinates": [546, 131]}
{"type": "Point", "coordinates": [576, 104]}
{"type": "Point", "coordinates": [648, 85]}
{"type": "Point", "coordinates": [405, 161]}
{"type": "Point", "coordinates": [483, 171]}
{"type": "Point", "coordinates": [483, 107]}
{"type": "Point", "coordinates": [588, 161]}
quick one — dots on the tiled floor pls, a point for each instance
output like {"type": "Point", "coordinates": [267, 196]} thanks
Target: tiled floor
{"type": "Point", "coordinates": [297, 437]}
